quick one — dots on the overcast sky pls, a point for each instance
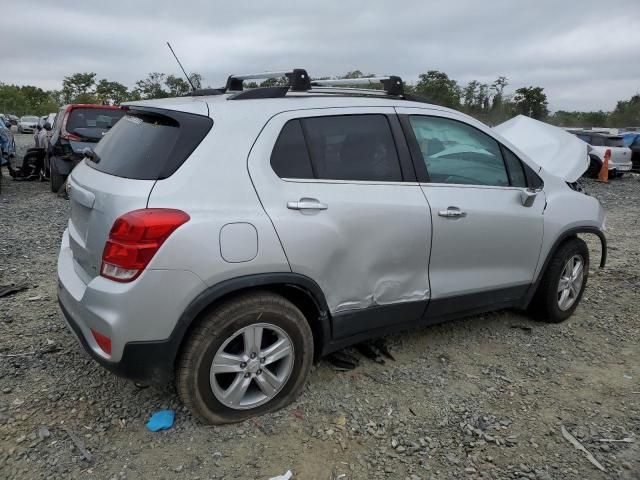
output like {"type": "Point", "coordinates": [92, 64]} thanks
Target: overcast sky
{"type": "Point", "coordinates": [586, 54]}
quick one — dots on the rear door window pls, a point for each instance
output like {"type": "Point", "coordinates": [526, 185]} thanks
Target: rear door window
{"type": "Point", "coordinates": [352, 147]}
{"type": "Point", "coordinates": [150, 145]}
{"type": "Point", "coordinates": [290, 158]}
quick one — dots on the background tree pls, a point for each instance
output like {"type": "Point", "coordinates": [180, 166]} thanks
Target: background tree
{"type": "Point", "coordinates": [177, 86]}
{"type": "Point", "coordinates": [79, 88]}
{"type": "Point", "coordinates": [439, 89]}
{"type": "Point", "coordinates": [151, 87]}
{"type": "Point", "coordinates": [532, 102]}
{"type": "Point", "coordinates": [196, 79]}
{"type": "Point", "coordinates": [627, 113]}
{"type": "Point", "coordinates": [114, 91]}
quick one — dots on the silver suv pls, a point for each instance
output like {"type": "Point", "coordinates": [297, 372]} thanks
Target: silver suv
{"type": "Point", "coordinates": [228, 239]}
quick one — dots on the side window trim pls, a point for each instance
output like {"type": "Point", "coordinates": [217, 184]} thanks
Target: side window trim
{"type": "Point", "coordinates": [414, 150]}
{"type": "Point", "coordinates": [506, 166]}
{"type": "Point", "coordinates": [407, 169]}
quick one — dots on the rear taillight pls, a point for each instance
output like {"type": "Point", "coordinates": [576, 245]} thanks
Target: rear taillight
{"type": "Point", "coordinates": [135, 238]}
{"type": "Point", "coordinates": [103, 341]}
{"type": "Point", "coordinates": [70, 136]}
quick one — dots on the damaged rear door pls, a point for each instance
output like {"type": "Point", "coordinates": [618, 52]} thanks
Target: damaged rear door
{"type": "Point", "coordinates": [343, 197]}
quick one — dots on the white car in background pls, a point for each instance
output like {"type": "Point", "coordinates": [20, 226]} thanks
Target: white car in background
{"type": "Point", "coordinates": [27, 124]}
{"type": "Point", "coordinates": [620, 161]}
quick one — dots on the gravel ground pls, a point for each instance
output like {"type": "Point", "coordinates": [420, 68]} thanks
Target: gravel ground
{"type": "Point", "coordinates": [483, 397]}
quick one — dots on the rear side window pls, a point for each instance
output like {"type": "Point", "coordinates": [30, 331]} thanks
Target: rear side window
{"type": "Point", "coordinates": [352, 147]}
{"type": "Point", "coordinates": [290, 158]}
{"type": "Point", "coordinates": [149, 145]}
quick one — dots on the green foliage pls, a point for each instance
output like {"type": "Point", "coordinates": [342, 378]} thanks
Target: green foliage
{"type": "Point", "coordinates": [196, 79]}
{"type": "Point", "coordinates": [177, 86]}
{"type": "Point", "coordinates": [627, 113]}
{"type": "Point", "coordinates": [78, 85]}
{"type": "Point", "coordinates": [151, 87]}
{"type": "Point", "coordinates": [532, 102]}
{"type": "Point", "coordinates": [439, 89]}
{"type": "Point", "coordinates": [115, 91]}
{"type": "Point", "coordinates": [26, 100]}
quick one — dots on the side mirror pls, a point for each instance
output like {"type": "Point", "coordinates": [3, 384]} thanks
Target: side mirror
{"type": "Point", "coordinates": [528, 196]}
{"type": "Point", "coordinates": [47, 126]}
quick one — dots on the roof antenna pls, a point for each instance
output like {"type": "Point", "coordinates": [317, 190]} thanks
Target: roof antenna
{"type": "Point", "coordinates": [183, 71]}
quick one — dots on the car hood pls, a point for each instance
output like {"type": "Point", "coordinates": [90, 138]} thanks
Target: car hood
{"type": "Point", "coordinates": [557, 151]}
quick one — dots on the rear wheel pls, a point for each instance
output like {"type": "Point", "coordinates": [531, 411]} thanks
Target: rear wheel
{"type": "Point", "coordinates": [594, 167]}
{"type": "Point", "coordinates": [56, 179]}
{"type": "Point", "coordinates": [250, 356]}
{"type": "Point", "coordinates": [563, 283]}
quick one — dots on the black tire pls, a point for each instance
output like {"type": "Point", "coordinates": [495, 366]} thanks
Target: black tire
{"type": "Point", "coordinates": [544, 305]}
{"type": "Point", "coordinates": [196, 357]}
{"type": "Point", "coordinates": [594, 167]}
{"type": "Point", "coordinates": [56, 179]}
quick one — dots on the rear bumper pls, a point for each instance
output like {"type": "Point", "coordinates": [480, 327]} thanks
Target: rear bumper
{"type": "Point", "coordinates": [138, 317]}
{"type": "Point", "coordinates": [146, 362]}
{"type": "Point", "coordinates": [621, 167]}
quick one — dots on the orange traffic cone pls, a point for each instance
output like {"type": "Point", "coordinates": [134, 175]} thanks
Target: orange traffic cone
{"type": "Point", "coordinates": [603, 176]}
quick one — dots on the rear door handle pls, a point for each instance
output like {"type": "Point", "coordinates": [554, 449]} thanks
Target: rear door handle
{"type": "Point", "coordinates": [307, 204]}
{"type": "Point", "coordinates": [452, 212]}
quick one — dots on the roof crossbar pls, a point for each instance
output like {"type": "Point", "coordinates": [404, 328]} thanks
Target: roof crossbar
{"type": "Point", "coordinates": [391, 84]}
{"type": "Point", "coordinates": [298, 79]}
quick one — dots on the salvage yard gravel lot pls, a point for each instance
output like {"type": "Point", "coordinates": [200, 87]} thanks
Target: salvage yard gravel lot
{"type": "Point", "coordinates": [483, 397]}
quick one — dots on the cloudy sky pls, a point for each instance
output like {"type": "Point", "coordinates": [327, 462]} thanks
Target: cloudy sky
{"type": "Point", "coordinates": [586, 54]}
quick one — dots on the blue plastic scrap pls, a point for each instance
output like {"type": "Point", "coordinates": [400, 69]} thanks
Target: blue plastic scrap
{"type": "Point", "coordinates": [161, 420]}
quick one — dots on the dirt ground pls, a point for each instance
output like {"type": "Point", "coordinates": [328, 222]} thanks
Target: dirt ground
{"type": "Point", "coordinates": [483, 397]}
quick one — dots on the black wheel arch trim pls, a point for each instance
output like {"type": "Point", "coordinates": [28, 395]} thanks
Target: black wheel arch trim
{"type": "Point", "coordinates": [239, 284]}
{"type": "Point", "coordinates": [569, 233]}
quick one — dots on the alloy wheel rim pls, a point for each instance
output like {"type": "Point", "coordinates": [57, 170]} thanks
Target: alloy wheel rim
{"type": "Point", "coordinates": [252, 366]}
{"type": "Point", "coordinates": [570, 282]}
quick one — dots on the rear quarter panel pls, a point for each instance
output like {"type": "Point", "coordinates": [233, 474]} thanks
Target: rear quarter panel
{"type": "Point", "coordinates": [213, 186]}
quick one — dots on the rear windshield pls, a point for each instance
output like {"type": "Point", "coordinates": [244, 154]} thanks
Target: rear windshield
{"type": "Point", "coordinates": [103, 118]}
{"type": "Point", "coordinates": [615, 142]}
{"type": "Point", "coordinates": [149, 145]}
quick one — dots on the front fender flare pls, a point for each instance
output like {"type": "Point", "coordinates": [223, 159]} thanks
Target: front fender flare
{"type": "Point", "coordinates": [563, 236]}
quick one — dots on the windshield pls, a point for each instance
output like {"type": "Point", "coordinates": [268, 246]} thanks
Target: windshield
{"type": "Point", "coordinates": [29, 119]}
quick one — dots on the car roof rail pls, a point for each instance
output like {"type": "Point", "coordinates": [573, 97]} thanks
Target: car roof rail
{"type": "Point", "coordinates": [202, 92]}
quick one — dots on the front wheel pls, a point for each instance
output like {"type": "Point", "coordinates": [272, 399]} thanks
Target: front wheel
{"type": "Point", "coordinates": [563, 283]}
{"type": "Point", "coordinates": [250, 356]}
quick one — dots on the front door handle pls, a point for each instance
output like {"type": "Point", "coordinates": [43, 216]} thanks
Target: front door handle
{"type": "Point", "coordinates": [452, 212]}
{"type": "Point", "coordinates": [307, 204]}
